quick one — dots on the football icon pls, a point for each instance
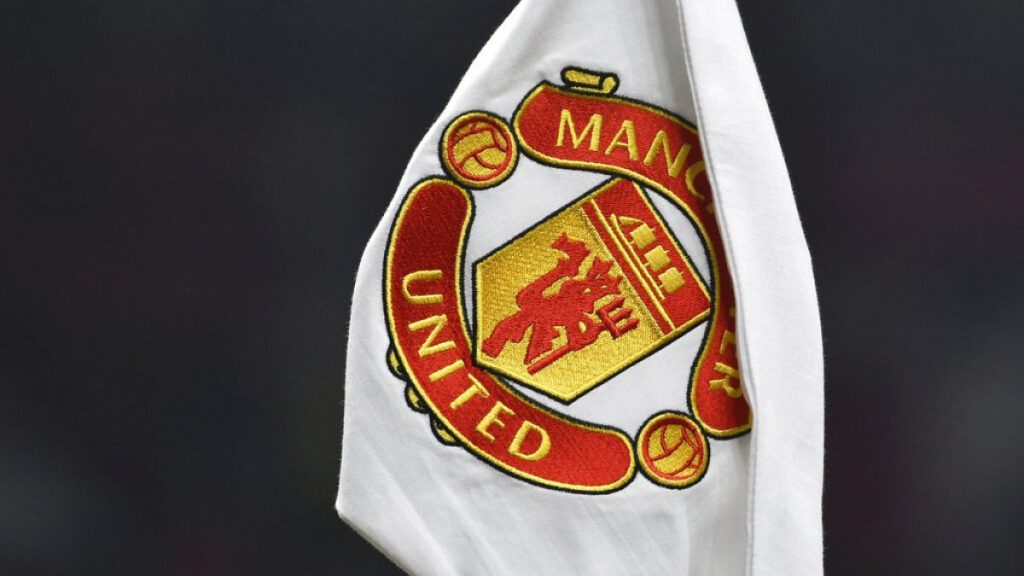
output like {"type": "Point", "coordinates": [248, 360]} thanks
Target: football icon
{"type": "Point", "coordinates": [478, 150]}
{"type": "Point", "coordinates": [672, 450]}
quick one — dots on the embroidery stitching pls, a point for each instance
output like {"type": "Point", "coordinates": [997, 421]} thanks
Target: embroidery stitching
{"type": "Point", "coordinates": [586, 292]}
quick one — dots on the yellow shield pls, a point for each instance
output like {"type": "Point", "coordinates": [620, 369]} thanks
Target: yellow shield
{"type": "Point", "coordinates": [585, 293]}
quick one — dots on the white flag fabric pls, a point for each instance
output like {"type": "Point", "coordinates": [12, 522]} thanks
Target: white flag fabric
{"type": "Point", "coordinates": [584, 337]}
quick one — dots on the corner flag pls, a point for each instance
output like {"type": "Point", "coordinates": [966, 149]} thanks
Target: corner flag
{"type": "Point", "coordinates": [584, 337]}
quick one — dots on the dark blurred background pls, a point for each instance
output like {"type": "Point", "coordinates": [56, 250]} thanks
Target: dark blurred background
{"type": "Point", "coordinates": [187, 186]}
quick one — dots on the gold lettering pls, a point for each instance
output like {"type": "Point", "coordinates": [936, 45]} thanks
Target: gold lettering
{"type": "Point", "coordinates": [517, 443]}
{"type": "Point", "coordinates": [629, 130]}
{"type": "Point", "coordinates": [593, 127]}
{"type": "Point", "coordinates": [476, 388]}
{"type": "Point", "coordinates": [442, 372]}
{"type": "Point", "coordinates": [725, 383]}
{"type": "Point", "coordinates": [429, 347]}
{"type": "Point", "coordinates": [691, 174]}
{"type": "Point", "coordinates": [674, 166]}
{"type": "Point", "coordinates": [421, 276]}
{"type": "Point", "coordinates": [727, 338]}
{"type": "Point", "coordinates": [492, 419]}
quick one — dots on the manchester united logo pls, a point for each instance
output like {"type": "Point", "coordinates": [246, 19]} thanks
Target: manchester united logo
{"type": "Point", "coordinates": [569, 302]}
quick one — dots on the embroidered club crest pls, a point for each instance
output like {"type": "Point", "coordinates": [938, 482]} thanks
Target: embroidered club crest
{"type": "Point", "coordinates": [571, 301]}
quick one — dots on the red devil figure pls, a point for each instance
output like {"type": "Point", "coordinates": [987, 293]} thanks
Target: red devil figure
{"type": "Point", "coordinates": [569, 311]}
